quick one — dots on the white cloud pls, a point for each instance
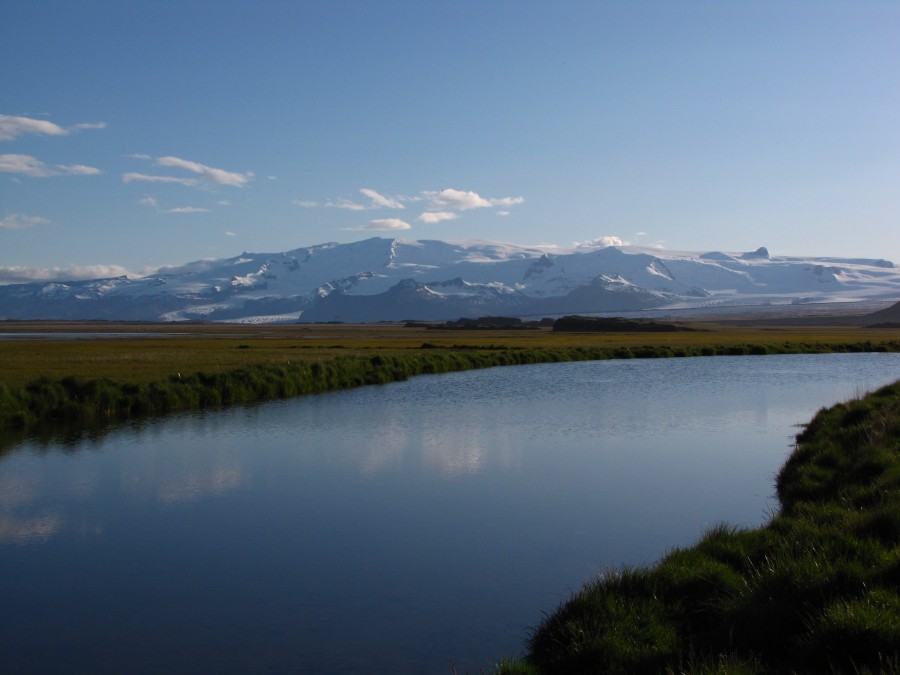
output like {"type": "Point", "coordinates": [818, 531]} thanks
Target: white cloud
{"type": "Point", "coordinates": [229, 233]}
{"type": "Point", "coordinates": [32, 166]}
{"type": "Point", "coordinates": [440, 202]}
{"type": "Point", "coordinates": [380, 200]}
{"type": "Point", "coordinates": [345, 204]}
{"type": "Point", "coordinates": [455, 199]}
{"type": "Point", "coordinates": [129, 177]}
{"type": "Point", "coordinates": [507, 201]}
{"type": "Point", "coordinates": [18, 274]}
{"type": "Point", "coordinates": [88, 125]}
{"type": "Point", "coordinates": [437, 216]}
{"type": "Point", "coordinates": [377, 201]}
{"type": "Point", "coordinates": [601, 242]}
{"type": "Point", "coordinates": [19, 221]}
{"type": "Point", "coordinates": [187, 209]}
{"type": "Point", "coordinates": [79, 170]}
{"type": "Point", "coordinates": [151, 202]}
{"type": "Point", "coordinates": [208, 174]}
{"type": "Point", "coordinates": [225, 202]}
{"type": "Point", "coordinates": [503, 213]}
{"type": "Point", "coordinates": [13, 127]}
{"type": "Point", "coordinates": [384, 224]}
{"type": "Point", "coordinates": [459, 200]}
{"type": "Point", "coordinates": [25, 165]}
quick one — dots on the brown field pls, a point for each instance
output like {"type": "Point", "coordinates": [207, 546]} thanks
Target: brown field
{"type": "Point", "coordinates": [146, 352]}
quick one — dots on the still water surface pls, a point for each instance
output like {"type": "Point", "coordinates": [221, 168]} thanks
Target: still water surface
{"type": "Point", "coordinates": [400, 528]}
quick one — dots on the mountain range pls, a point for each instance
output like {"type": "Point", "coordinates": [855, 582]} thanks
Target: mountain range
{"type": "Point", "coordinates": [382, 279]}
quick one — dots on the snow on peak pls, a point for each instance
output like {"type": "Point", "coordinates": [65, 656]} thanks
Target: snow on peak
{"type": "Point", "coordinates": [288, 283]}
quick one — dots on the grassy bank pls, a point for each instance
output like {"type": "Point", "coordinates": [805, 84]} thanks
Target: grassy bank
{"type": "Point", "coordinates": [817, 590]}
{"type": "Point", "coordinates": [144, 353]}
{"type": "Point", "coordinates": [139, 377]}
{"type": "Point", "coordinates": [155, 369]}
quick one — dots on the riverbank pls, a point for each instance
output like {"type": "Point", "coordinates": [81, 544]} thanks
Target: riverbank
{"type": "Point", "coordinates": [740, 601]}
{"type": "Point", "coordinates": [816, 590]}
{"type": "Point", "coordinates": [51, 382]}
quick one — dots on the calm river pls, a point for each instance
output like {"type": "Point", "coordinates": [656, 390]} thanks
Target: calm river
{"type": "Point", "coordinates": [394, 529]}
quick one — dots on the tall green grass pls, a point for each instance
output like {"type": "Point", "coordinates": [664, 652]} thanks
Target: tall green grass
{"type": "Point", "coordinates": [816, 590]}
{"type": "Point", "coordinates": [92, 401]}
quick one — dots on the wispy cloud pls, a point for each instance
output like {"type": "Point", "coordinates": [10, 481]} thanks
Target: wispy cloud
{"type": "Point", "coordinates": [380, 201]}
{"type": "Point", "coordinates": [78, 170]}
{"type": "Point", "coordinates": [19, 221]}
{"type": "Point", "coordinates": [88, 125]}
{"type": "Point", "coordinates": [208, 175]}
{"type": "Point", "coordinates": [461, 200]}
{"type": "Point", "coordinates": [129, 177]}
{"type": "Point", "coordinates": [187, 209]}
{"type": "Point", "coordinates": [376, 201]}
{"type": "Point", "coordinates": [345, 204]}
{"type": "Point", "coordinates": [437, 216]}
{"type": "Point", "coordinates": [440, 203]}
{"type": "Point", "coordinates": [74, 273]}
{"type": "Point", "coordinates": [507, 201]}
{"type": "Point", "coordinates": [11, 127]}
{"type": "Point", "coordinates": [27, 165]}
{"type": "Point", "coordinates": [152, 203]}
{"type": "Point", "coordinates": [229, 233]}
{"type": "Point", "coordinates": [383, 225]}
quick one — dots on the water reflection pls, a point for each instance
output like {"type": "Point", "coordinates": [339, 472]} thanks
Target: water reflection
{"type": "Point", "coordinates": [28, 514]}
{"type": "Point", "coordinates": [28, 530]}
{"type": "Point", "coordinates": [386, 529]}
{"type": "Point", "coordinates": [47, 490]}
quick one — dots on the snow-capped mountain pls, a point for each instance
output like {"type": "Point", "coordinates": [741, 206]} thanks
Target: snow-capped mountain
{"type": "Point", "coordinates": [398, 279]}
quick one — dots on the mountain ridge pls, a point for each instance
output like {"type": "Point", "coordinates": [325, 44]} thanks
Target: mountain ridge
{"type": "Point", "coordinates": [381, 279]}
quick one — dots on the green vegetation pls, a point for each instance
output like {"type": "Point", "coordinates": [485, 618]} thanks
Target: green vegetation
{"type": "Point", "coordinates": [815, 590]}
{"type": "Point", "coordinates": [174, 368]}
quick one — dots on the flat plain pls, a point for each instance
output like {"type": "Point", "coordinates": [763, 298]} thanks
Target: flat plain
{"type": "Point", "coordinates": [135, 353]}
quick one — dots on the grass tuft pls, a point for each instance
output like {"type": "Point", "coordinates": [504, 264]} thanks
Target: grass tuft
{"type": "Point", "coordinates": [816, 590]}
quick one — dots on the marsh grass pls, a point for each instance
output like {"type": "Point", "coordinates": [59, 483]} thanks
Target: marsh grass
{"type": "Point", "coordinates": [157, 351]}
{"type": "Point", "coordinates": [117, 380]}
{"type": "Point", "coordinates": [816, 590]}
{"type": "Point", "coordinates": [91, 381]}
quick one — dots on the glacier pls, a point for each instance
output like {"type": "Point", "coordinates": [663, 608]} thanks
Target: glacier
{"type": "Point", "coordinates": [382, 279]}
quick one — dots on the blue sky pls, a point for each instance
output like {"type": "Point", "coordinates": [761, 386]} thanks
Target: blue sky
{"type": "Point", "coordinates": [136, 134]}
